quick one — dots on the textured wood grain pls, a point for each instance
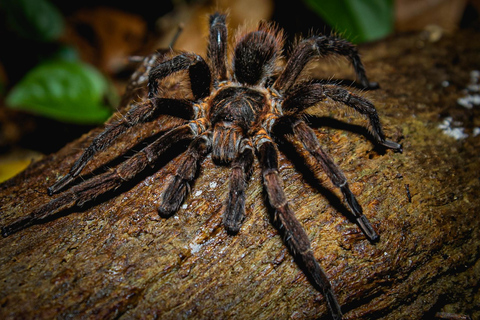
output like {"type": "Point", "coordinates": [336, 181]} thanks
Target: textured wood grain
{"type": "Point", "coordinates": [116, 258]}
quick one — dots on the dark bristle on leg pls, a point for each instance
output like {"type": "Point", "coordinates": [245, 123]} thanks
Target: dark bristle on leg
{"type": "Point", "coordinates": [139, 113]}
{"type": "Point", "coordinates": [177, 189]}
{"type": "Point", "coordinates": [301, 97]}
{"type": "Point", "coordinates": [292, 231]}
{"type": "Point", "coordinates": [309, 140]}
{"type": "Point", "coordinates": [240, 174]}
{"type": "Point", "coordinates": [217, 46]}
{"type": "Point", "coordinates": [60, 184]}
{"type": "Point", "coordinates": [199, 72]}
{"type": "Point", "coordinates": [357, 211]}
{"type": "Point", "coordinates": [320, 46]}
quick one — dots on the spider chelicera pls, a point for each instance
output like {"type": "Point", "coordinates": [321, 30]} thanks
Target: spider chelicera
{"type": "Point", "coordinates": [235, 113]}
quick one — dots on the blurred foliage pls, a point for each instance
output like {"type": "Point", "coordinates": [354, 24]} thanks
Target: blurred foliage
{"type": "Point", "coordinates": [60, 86]}
{"type": "Point", "coordinates": [357, 20]}
{"type": "Point", "coordinates": [37, 20]}
{"type": "Point", "coordinates": [63, 90]}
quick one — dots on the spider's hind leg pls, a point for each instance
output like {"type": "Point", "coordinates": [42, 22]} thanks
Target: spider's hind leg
{"type": "Point", "coordinates": [308, 138]}
{"type": "Point", "coordinates": [293, 233]}
{"type": "Point", "coordinates": [138, 113]}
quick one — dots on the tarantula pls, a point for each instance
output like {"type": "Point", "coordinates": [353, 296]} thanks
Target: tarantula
{"type": "Point", "coordinates": [236, 112]}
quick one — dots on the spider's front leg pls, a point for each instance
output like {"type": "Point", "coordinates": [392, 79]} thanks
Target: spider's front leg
{"type": "Point", "coordinates": [178, 188]}
{"type": "Point", "coordinates": [364, 107]}
{"type": "Point", "coordinates": [293, 233]}
{"type": "Point", "coordinates": [240, 174]}
{"type": "Point", "coordinates": [319, 46]}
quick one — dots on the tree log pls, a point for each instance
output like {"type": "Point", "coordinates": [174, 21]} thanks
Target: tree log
{"type": "Point", "coordinates": [116, 258]}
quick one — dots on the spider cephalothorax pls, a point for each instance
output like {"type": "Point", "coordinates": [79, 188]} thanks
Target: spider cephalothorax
{"type": "Point", "coordinates": [235, 112]}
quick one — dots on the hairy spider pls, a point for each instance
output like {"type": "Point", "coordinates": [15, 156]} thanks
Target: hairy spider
{"type": "Point", "coordinates": [235, 112]}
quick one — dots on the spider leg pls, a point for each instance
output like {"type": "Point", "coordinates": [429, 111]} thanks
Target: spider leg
{"type": "Point", "coordinates": [319, 46]}
{"type": "Point", "coordinates": [294, 235]}
{"type": "Point", "coordinates": [178, 188]}
{"type": "Point", "coordinates": [364, 107]}
{"type": "Point", "coordinates": [217, 46]}
{"type": "Point", "coordinates": [139, 113]}
{"type": "Point", "coordinates": [137, 82]}
{"type": "Point", "coordinates": [136, 85]}
{"type": "Point", "coordinates": [240, 174]}
{"type": "Point", "coordinates": [309, 140]}
{"type": "Point", "coordinates": [98, 185]}
{"type": "Point", "coordinates": [198, 71]}
{"type": "Point", "coordinates": [301, 97]}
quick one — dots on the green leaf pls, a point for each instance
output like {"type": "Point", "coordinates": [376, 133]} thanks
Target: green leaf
{"type": "Point", "coordinates": [33, 19]}
{"type": "Point", "coordinates": [64, 90]}
{"type": "Point", "coordinates": [357, 20]}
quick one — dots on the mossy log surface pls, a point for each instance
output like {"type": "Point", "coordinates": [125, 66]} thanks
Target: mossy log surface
{"type": "Point", "coordinates": [116, 258]}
